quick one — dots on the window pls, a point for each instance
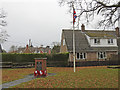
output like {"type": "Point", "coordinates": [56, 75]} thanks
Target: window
{"type": "Point", "coordinates": [101, 55]}
{"type": "Point", "coordinates": [96, 41]}
{"type": "Point", "coordinates": [78, 56]}
{"type": "Point", "coordinates": [110, 41]}
{"type": "Point", "coordinates": [81, 55]}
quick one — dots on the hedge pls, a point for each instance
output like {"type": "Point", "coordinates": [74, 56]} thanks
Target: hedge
{"type": "Point", "coordinates": [94, 63]}
{"type": "Point", "coordinates": [60, 59]}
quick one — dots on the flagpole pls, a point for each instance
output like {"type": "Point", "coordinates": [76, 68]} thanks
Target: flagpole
{"type": "Point", "coordinates": [73, 39]}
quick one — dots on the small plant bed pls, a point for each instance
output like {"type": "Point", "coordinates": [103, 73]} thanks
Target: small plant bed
{"type": "Point", "coordinates": [114, 67]}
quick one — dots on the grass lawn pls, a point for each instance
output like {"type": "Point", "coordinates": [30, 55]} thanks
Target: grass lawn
{"type": "Point", "coordinates": [84, 77]}
{"type": "Point", "coordinates": [15, 74]}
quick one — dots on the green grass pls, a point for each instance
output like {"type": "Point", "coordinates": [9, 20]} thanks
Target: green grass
{"type": "Point", "coordinates": [84, 77]}
{"type": "Point", "coordinates": [9, 75]}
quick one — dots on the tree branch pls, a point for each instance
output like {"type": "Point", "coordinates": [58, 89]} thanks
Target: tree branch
{"type": "Point", "coordinates": [108, 6]}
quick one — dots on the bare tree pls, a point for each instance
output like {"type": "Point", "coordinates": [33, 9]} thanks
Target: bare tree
{"type": "Point", "coordinates": [92, 8]}
{"type": "Point", "coordinates": [3, 36]}
{"type": "Point", "coordinates": [3, 23]}
{"type": "Point", "coordinates": [13, 48]}
{"type": "Point", "coordinates": [2, 18]}
{"type": "Point", "coordinates": [56, 47]}
{"type": "Point", "coordinates": [56, 43]}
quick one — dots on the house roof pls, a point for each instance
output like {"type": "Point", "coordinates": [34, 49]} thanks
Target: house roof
{"type": "Point", "coordinates": [12, 52]}
{"type": "Point", "coordinates": [101, 33]}
{"type": "Point", "coordinates": [81, 42]}
{"type": "Point", "coordinates": [27, 50]}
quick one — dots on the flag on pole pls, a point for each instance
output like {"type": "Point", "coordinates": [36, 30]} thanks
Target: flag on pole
{"type": "Point", "coordinates": [74, 16]}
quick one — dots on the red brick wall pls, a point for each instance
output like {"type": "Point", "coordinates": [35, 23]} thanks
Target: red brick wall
{"type": "Point", "coordinates": [110, 53]}
{"type": "Point", "coordinates": [92, 56]}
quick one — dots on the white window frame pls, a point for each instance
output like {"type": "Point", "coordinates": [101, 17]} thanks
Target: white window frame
{"type": "Point", "coordinates": [84, 55]}
{"type": "Point", "coordinates": [35, 51]}
{"type": "Point", "coordinates": [97, 41]}
{"type": "Point", "coordinates": [101, 53]}
{"type": "Point", "coordinates": [110, 41]}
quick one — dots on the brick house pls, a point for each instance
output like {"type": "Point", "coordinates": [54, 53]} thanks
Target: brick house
{"type": "Point", "coordinates": [90, 45]}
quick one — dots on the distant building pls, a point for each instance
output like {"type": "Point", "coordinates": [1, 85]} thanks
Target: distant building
{"type": "Point", "coordinates": [29, 49]}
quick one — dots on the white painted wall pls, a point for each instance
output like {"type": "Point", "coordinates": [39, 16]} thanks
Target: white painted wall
{"type": "Point", "coordinates": [103, 42]}
{"type": "Point", "coordinates": [88, 38]}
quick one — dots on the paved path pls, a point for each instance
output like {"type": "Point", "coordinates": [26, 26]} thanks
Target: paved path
{"type": "Point", "coordinates": [19, 81]}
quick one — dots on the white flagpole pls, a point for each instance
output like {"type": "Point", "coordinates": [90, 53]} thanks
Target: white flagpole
{"type": "Point", "coordinates": [73, 39]}
{"type": "Point", "coordinates": [119, 18]}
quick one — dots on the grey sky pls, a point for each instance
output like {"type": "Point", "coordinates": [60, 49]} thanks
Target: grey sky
{"type": "Point", "coordinates": [41, 21]}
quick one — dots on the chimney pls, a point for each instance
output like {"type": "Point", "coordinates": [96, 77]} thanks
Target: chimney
{"type": "Point", "coordinates": [27, 46]}
{"type": "Point", "coordinates": [83, 27]}
{"type": "Point", "coordinates": [117, 31]}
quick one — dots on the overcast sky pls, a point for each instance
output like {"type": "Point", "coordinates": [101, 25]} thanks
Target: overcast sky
{"type": "Point", "coordinates": [41, 21]}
